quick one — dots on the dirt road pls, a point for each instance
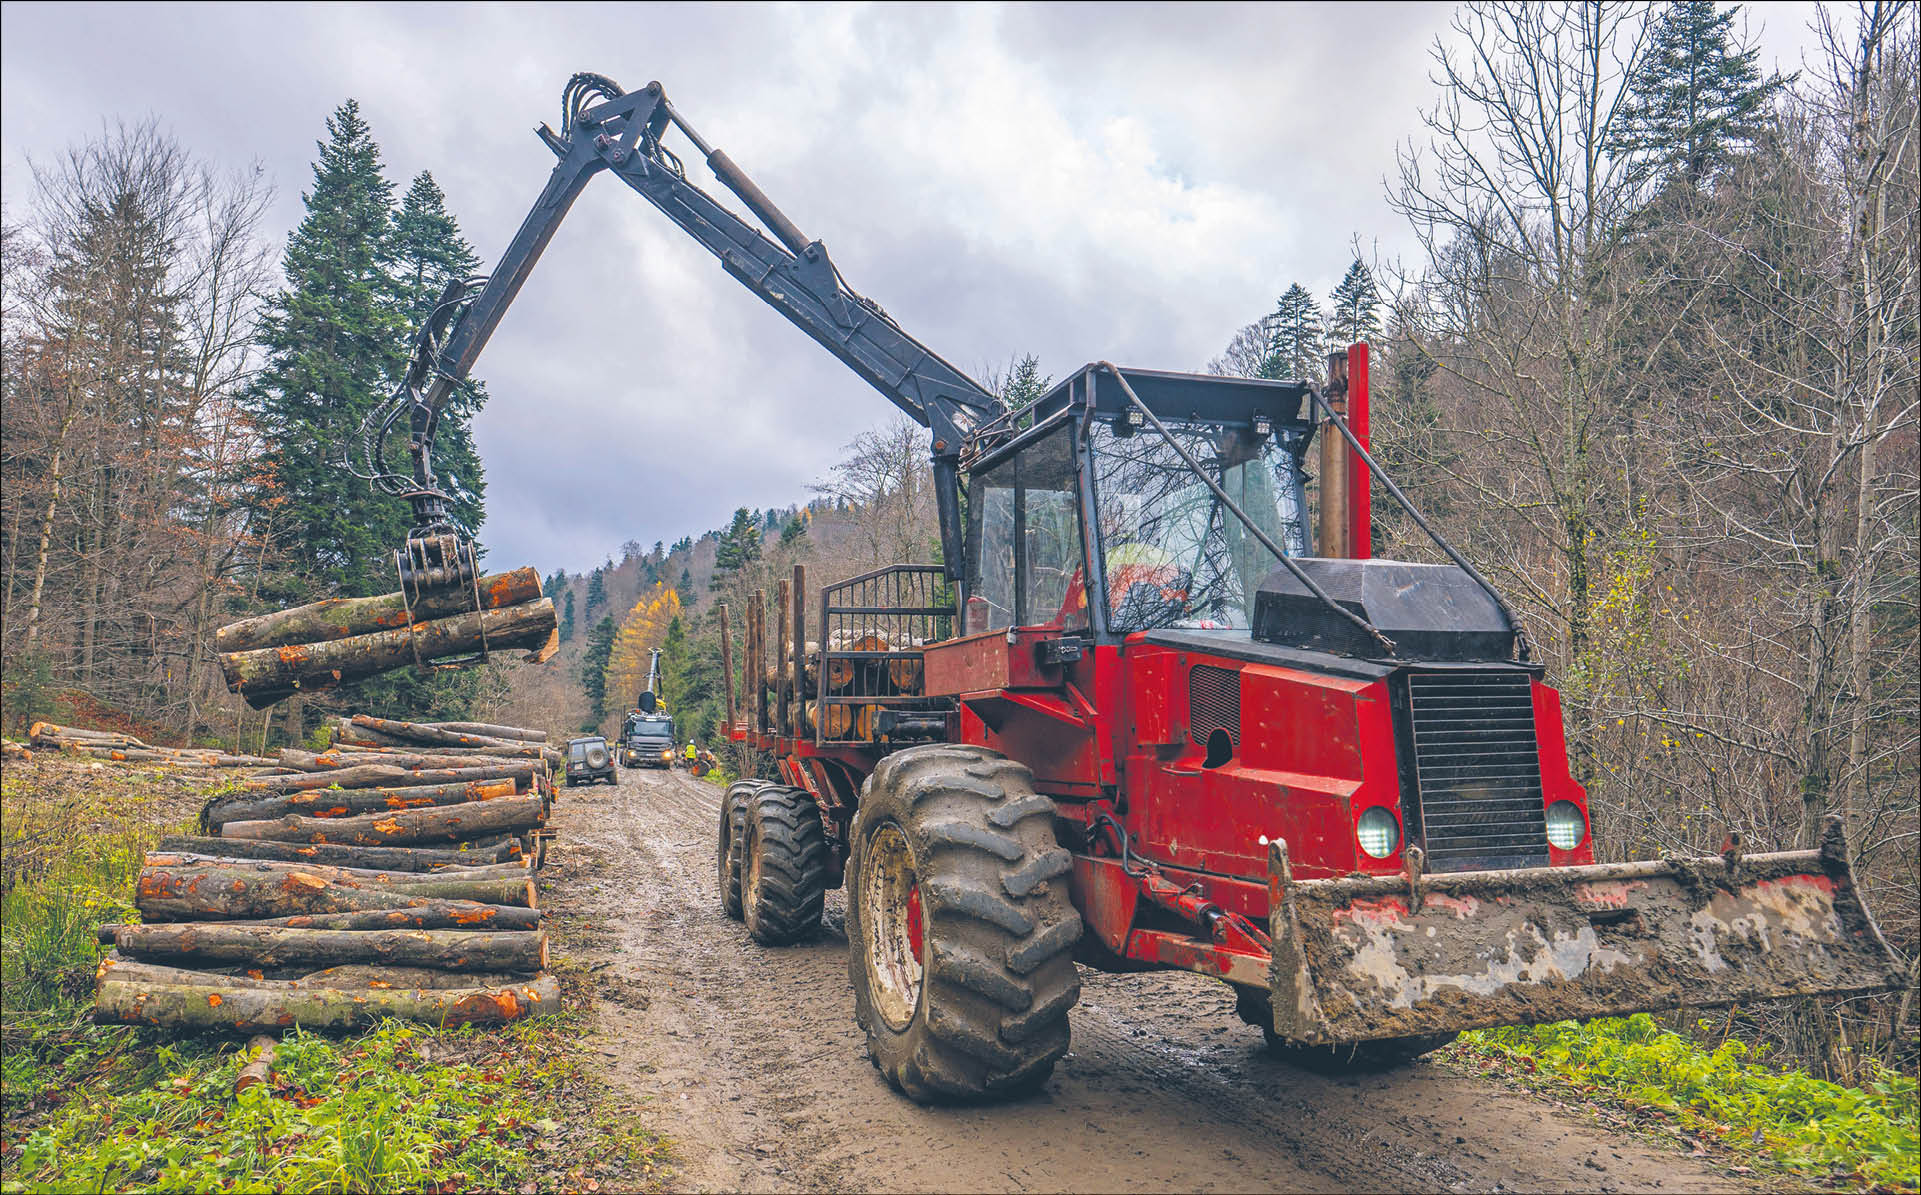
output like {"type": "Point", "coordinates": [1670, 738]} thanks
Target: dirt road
{"type": "Point", "coordinates": [749, 1059]}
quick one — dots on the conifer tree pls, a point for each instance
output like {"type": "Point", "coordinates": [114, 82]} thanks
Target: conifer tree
{"type": "Point", "coordinates": [593, 667]}
{"type": "Point", "coordinates": [555, 582]}
{"type": "Point", "coordinates": [739, 546]}
{"type": "Point", "coordinates": [1294, 336]}
{"type": "Point", "coordinates": [567, 619]}
{"type": "Point", "coordinates": [332, 342]}
{"type": "Point", "coordinates": [425, 252]}
{"type": "Point", "coordinates": [1354, 313]}
{"type": "Point", "coordinates": [596, 590]}
{"type": "Point", "coordinates": [1697, 97]}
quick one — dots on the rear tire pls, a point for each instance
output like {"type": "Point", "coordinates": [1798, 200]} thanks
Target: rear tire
{"type": "Point", "coordinates": [959, 927]}
{"type": "Point", "coordinates": [733, 817]}
{"type": "Point", "coordinates": [1345, 1058]}
{"type": "Point", "coordinates": [783, 862]}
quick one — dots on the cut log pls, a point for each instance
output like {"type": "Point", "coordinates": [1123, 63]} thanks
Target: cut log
{"type": "Point", "coordinates": [403, 827]}
{"type": "Point", "coordinates": [260, 1068]}
{"type": "Point", "coordinates": [273, 946]}
{"type": "Point", "coordinates": [452, 883]}
{"type": "Point", "coordinates": [333, 760]}
{"type": "Point", "coordinates": [427, 734]}
{"type": "Point", "coordinates": [117, 966]}
{"type": "Point", "coordinates": [491, 731]}
{"type": "Point", "coordinates": [210, 892]}
{"type": "Point", "coordinates": [261, 673]}
{"type": "Point", "coordinates": [245, 1010]}
{"type": "Point", "coordinates": [47, 730]}
{"type": "Point", "coordinates": [363, 776]}
{"type": "Point", "coordinates": [341, 618]}
{"type": "Point", "coordinates": [546, 651]}
{"type": "Point", "coordinates": [390, 858]}
{"type": "Point", "coordinates": [428, 914]}
{"type": "Point", "coordinates": [331, 802]}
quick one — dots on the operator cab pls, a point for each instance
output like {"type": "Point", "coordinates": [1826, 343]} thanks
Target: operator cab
{"type": "Point", "coordinates": [1164, 550]}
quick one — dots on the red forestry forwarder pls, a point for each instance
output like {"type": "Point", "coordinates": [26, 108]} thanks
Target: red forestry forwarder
{"type": "Point", "coordinates": [1144, 716]}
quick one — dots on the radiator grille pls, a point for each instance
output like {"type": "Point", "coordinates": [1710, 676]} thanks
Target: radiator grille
{"type": "Point", "coordinates": [1214, 702]}
{"type": "Point", "coordinates": [1477, 769]}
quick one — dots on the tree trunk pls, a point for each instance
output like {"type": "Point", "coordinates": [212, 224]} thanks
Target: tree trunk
{"type": "Point", "coordinates": [430, 735]}
{"type": "Point", "coordinates": [340, 618]}
{"type": "Point", "coordinates": [429, 914]}
{"type": "Point", "coordinates": [201, 892]}
{"type": "Point", "coordinates": [402, 828]}
{"type": "Point", "coordinates": [308, 761]}
{"type": "Point", "coordinates": [494, 732]}
{"type": "Point", "coordinates": [392, 858]}
{"type": "Point", "coordinates": [46, 528]}
{"type": "Point", "coordinates": [268, 674]}
{"type": "Point", "coordinates": [273, 946]}
{"type": "Point", "coordinates": [245, 1010]}
{"type": "Point", "coordinates": [454, 883]}
{"type": "Point", "coordinates": [356, 802]}
{"type": "Point", "coordinates": [260, 1069]}
{"type": "Point", "coordinates": [120, 968]}
{"type": "Point", "coordinates": [363, 776]}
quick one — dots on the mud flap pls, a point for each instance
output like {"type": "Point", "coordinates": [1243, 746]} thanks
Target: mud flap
{"type": "Point", "coordinates": [1362, 958]}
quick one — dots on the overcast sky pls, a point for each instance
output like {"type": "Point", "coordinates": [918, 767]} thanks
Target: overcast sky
{"type": "Point", "coordinates": [1090, 181]}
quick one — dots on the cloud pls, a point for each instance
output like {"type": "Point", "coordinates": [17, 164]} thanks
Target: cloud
{"type": "Point", "coordinates": [1076, 181]}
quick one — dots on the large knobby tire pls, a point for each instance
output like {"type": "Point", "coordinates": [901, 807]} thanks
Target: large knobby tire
{"type": "Point", "coordinates": [959, 928]}
{"type": "Point", "coordinates": [733, 816]}
{"type": "Point", "coordinates": [1345, 1058]}
{"type": "Point", "coordinates": [784, 863]}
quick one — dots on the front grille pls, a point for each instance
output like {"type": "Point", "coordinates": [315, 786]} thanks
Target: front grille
{"type": "Point", "coordinates": [1214, 702]}
{"type": "Point", "coordinates": [1476, 769]}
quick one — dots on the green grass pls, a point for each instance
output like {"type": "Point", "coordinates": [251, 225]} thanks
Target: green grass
{"type": "Point", "coordinates": [403, 1107]}
{"type": "Point", "coordinates": [1864, 1136]}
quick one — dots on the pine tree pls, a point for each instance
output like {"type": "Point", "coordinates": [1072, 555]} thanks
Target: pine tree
{"type": "Point", "coordinates": [567, 619]}
{"type": "Point", "coordinates": [425, 252]}
{"type": "Point", "coordinates": [1025, 383]}
{"type": "Point", "coordinates": [596, 590]}
{"type": "Point", "coordinates": [593, 667]}
{"type": "Point", "coordinates": [554, 584]}
{"type": "Point", "coordinates": [332, 342]}
{"type": "Point", "coordinates": [686, 587]}
{"type": "Point", "coordinates": [1294, 336]}
{"type": "Point", "coordinates": [739, 547]}
{"type": "Point", "coordinates": [1697, 96]}
{"type": "Point", "coordinates": [1354, 308]}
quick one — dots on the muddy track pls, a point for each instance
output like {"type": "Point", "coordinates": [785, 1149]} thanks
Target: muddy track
{"type": "Point", "coordinates": [749, 1059]}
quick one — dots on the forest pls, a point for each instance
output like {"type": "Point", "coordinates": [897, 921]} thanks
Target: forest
{"type": "Point", "coordinates": [1654, 370]}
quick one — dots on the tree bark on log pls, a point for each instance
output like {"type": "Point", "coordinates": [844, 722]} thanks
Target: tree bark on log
{"type": "Point", "coordinates": [492, 731]}
{"type": "Point", "coordinates": [447, 883]}
{"type": "Point", "coordinates": [394, 858]}
{"type": "Point", "coordinates": [265, 675]}
{"type": "Point", "coordinates": [334, 760]}
{"type": "Point", "coordinates": [119, 967]}
{"type": "Point", "coordinates": [337, 803]}
{"type": "Point", "coordinates": [273, 946]}
{"type": "Point", "coordinates": [403, 827]}
{"type": "Point", "coordinates": [208, 892]}
{"type": "Point", "coordinates": [362, 776]}
{"type": "Point", "coordinates": [429, 735]}
{"type": "Point", "coordinates": [246, 1010]}
{"type": "Point", "coordinates": [341, 618]}
{"type": "Point", "coordinates": [428, 914]}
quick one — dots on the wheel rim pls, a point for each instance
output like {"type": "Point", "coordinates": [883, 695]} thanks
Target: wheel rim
{"type": "Point", "coordinates": [894, 939]}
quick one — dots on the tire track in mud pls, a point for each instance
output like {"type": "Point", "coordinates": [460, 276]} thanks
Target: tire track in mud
{"type": "Point", "coordinates": [748, 1058]}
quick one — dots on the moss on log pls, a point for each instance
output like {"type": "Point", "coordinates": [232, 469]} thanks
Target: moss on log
{"type": "Point", "coordinates": [380, 858]}
{"type": "Point", "coordinates": [228, 942]}
{"type": "Point", "coordinates": [213, 892]}
{"type": "Point", "coordinates": [338, 803]}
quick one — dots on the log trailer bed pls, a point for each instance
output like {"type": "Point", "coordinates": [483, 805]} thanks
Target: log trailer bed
{"type": "Point", "coordinates": [1151, 711]}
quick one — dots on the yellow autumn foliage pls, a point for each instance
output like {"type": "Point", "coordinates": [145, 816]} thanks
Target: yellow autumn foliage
{"type": "Point", "coordinates": [641, 631]}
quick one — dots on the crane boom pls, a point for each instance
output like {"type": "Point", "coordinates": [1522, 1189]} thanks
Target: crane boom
{"type": "Point", "coordinates": [605, 128]}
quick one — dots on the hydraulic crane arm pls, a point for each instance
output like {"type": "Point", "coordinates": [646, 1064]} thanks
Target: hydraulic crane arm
{"type": "Point", "coordinates": [604, 128]}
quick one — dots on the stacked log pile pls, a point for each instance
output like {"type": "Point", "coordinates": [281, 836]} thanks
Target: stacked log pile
{"type": "Point", "coordinates": [349, 885]}
{"type": "Point", "coordinates": [317, 646]}
{"type": "Point", "coordinates": [850, 677]}
{"type": "Point", "coordinates": [125, 748]}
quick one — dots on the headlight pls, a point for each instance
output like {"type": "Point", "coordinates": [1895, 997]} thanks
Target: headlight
{"type": "Point", "coordinates": [1566, 828]}
{"type": "Point", "coordinates": [1378, 832]}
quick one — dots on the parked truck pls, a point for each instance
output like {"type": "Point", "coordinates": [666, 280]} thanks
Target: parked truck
{"type": "Point", "coordinates": [1152, 710]}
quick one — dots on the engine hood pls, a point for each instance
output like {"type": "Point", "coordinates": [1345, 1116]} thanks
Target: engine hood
{"type": "Point", "coordinates": [1430, 611]}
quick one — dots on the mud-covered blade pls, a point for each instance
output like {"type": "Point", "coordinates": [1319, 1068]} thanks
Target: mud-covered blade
{"type": "Point", "coordinates": [1371, 957]}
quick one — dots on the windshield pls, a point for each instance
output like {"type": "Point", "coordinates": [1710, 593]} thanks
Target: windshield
{"type": "Point", "coordinates": [651, 728]}
{"type": "Point", "coordinates": [1174, 555]}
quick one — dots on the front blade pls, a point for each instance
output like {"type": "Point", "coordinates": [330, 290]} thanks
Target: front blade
{"type": "Point", "coordinates": [1373, 957]}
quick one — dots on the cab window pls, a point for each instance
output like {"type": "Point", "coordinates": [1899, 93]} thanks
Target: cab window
{"type": "Point", "coordinates": [1024, 553]}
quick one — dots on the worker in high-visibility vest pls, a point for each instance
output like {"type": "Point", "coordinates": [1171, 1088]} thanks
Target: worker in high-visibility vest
{"type": "Point", "coordinates": [693, 752]}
